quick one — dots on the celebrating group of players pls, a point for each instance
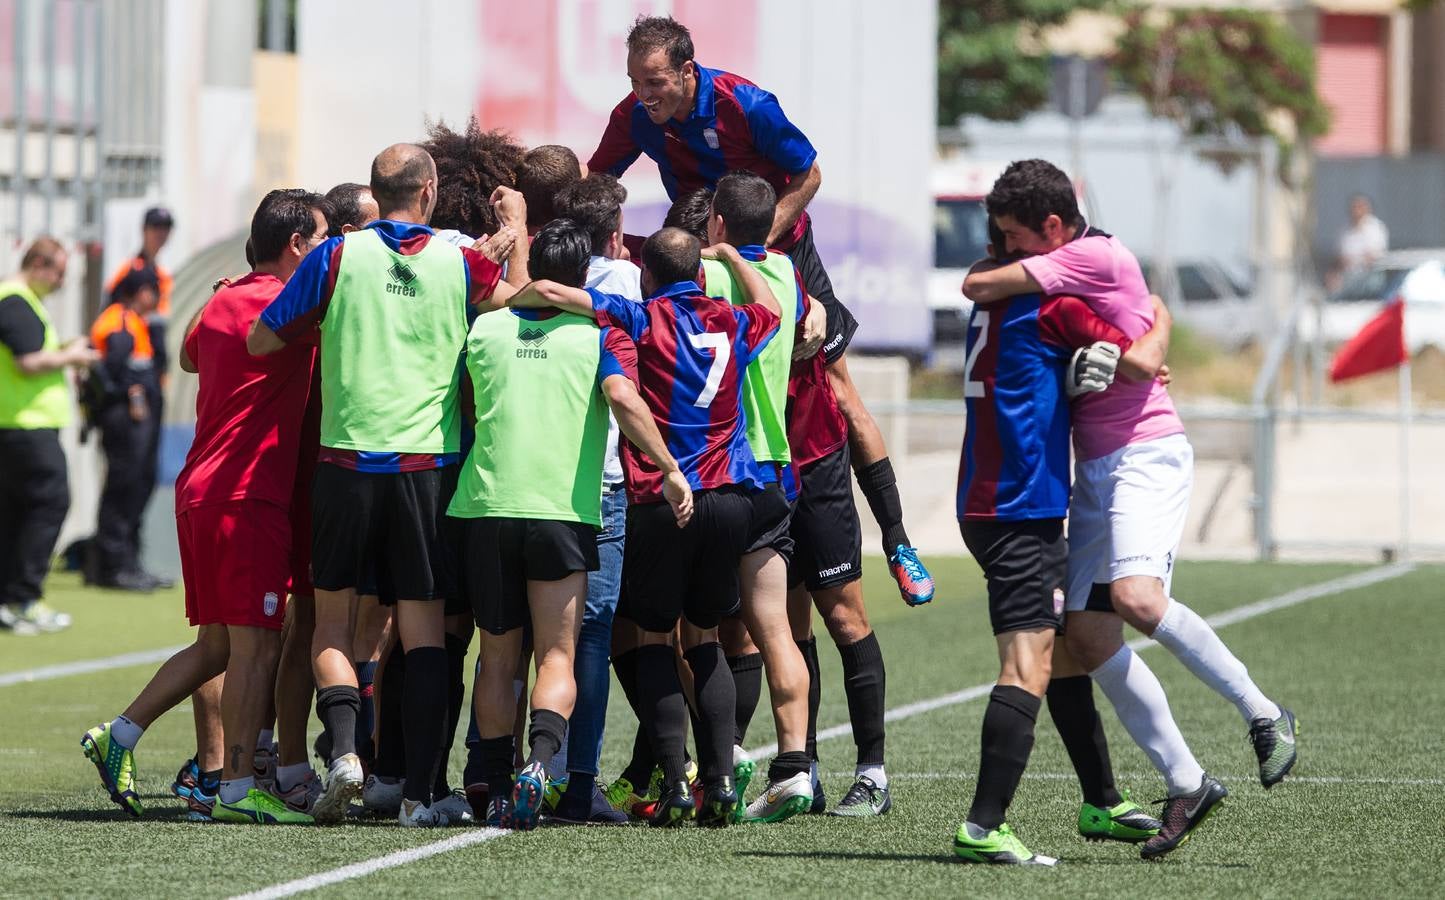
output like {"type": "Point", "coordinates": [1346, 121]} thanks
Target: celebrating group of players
{"type": "Point", "coordinates": [627, 457]}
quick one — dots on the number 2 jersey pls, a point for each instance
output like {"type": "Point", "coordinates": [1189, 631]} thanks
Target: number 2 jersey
{"type": "Point", "coordinates": [692, 354]}
{"type": "Point", "coordinates": [1015, 461]}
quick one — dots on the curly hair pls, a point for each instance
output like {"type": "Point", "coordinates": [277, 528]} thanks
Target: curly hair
{"type": "Point", "coordinates": [471, 164]}
{"type": "Point", "coordinates": [1031, 190]}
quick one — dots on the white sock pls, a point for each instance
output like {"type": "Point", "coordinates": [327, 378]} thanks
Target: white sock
{"type": "Point", "coordinates": [235, 791]}
{"type": "Point", "coordinates": [874, 774]}
{"type": "Point", "coordinates": [1139, 701]}
{"type": "Point", "coordinates": [263, 739]}
{"type": "Point", "coordinates": [125, 732]}
{"type": "Point", "coordinates": [1196, 645]}
{"type": "Point", "coordinates": [287, 777]}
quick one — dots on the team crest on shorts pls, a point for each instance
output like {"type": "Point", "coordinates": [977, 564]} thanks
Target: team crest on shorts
{"type": "Point", "coordinates": [269, 603]}
{"type": "Point", "coordinates": [1058, 601]}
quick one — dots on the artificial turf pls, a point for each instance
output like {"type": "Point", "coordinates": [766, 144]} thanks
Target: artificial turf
{"type": "Point", "coordinates": [1360, 816]}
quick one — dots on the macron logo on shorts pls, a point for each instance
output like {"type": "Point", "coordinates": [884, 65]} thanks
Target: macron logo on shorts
{"type": "Point", "coordinates": [270, 603]}
{"type": "Point", "coordinates": [836, 570]}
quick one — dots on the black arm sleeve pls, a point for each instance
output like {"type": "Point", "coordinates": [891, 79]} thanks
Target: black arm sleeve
{"type": "Point", "coordinates": [118, 347]}
{"type": "Point", "coordinates": [21, 330]}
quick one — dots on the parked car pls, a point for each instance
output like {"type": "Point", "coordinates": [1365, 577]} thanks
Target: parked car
{"type": "Point", "coordinates": [960, 239]}
{"type": "Point", "coordinates": [1207, 297]}
{"type": "Point", "coordinates": [1417, 276]}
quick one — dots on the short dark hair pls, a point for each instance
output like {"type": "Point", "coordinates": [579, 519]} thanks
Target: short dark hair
{"type": "Point", "coordinates": [746, 202]}
{"type": "Point", "coordinates": [42, 251]}
{"type": "Point", "coordinates": [471, 164]}
{"type": "Point", "coordinates": [651, 33]}
{"type": "Point", "coordinates": [689, 212]}
{"type": "Point", "coordinates": [135, 281]}
{"type": "Point", "coordinates": [1031, 190]}
{"type": "Point", "coordinates": [595, 203]}
{"type": "Point", "coordinates": [398, 174]}
{"type": "Point", "coordinates": [544, 172]}
{"type": "Point", "coordinates": [672, 255]}
{"type": "Point", "coordinates": [559, 253]}
{"type": "Point", "coordinates": [282, 213]}
{"type": "Point", "coordinates": [345, 200]}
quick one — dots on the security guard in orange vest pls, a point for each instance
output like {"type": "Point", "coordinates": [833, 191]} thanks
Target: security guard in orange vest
{"type": "Point", "coordinates": [35, 403]}
{"type": "Point", "coordinates": [131, 392]}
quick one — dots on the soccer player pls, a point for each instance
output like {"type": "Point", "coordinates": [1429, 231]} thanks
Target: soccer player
{"type": "Point", "coordinates": [697, 124]}
{"type": "Point", "coordinates": [693, 353]}
{"type": "Point", "coordinates": [233, 520]}
{"type": "Point", "coordinates": [391, 307]}
{"type": "Point", "coordinates": [1134, 477]}
{"type": "Point", "coordinates": [530, 503]}
{"type": "Point", "coordinates": [595, 204]}
{"type": "Point", "coordinates": [543, 174]}
{"type": "Point", "coordinates": [742, 211]}
{"type": "Point", "coordinates": [1013, 495]}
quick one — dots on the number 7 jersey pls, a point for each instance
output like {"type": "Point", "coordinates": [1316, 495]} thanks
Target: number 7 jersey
{"type": "Point", "coordinates": [692, 354]}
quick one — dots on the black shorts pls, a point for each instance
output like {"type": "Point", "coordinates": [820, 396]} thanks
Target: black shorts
{"type": "Point", "coordinates": [499, 556]}
{"type": "Point", "coordinates": [841, 324]}
{"type": "Point", "coordinates": [827, 535]}
{"type": "Point", "coordinates": [772, 522]}
{"type": "Point", "coordinates": [669, 572]}
{"type": "Point", "coordinates": [1025, 564]}
{"type": "Point", "coordinates": [386, 524]}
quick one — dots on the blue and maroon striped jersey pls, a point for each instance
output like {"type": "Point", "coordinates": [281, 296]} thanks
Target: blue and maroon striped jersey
{"type": "Point", "coordinates": [692, 353]}
{"type": "Point", "coordinates": [734, 124]}
{"type": "Point", "coordinates": [1015, 461]}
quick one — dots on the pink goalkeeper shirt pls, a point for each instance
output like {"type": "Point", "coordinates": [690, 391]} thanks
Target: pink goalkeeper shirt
{"type": "Point", "coordinates": [1101, 270]}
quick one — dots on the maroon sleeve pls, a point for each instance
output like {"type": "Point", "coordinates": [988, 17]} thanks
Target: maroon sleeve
{"type": "Point", "coordinates": [617, 150]}
{"type": "Point", "coordinates": [482, 276]}
{"type": "Point", "coordinates": [1068, 323]}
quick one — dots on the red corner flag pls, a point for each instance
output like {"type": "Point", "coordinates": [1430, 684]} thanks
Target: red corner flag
{"type": "Point", "coordinates": [1379, 345]}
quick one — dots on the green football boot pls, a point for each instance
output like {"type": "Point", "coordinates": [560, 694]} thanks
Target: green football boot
{"type": "Point", "coordinates": [1126, 822]}
{"type": "Point", "coordinates": [116, 765]}
{"type": "Point", "coordinates": [999, 847]}
{"type": "Point", "coordinates": [258, 808]}
{"type": "Point", "coordinates": [1274, 745]}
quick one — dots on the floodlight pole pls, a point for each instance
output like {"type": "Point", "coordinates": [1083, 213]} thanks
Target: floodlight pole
{"type": "Point", "coordinates": [1406, 415]}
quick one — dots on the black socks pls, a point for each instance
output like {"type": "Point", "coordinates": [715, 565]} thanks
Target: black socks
{"type": "Point", "coordinates": [1071, 706]}
{"type": "Point", "coordinates": [880, 488]}
{"type": "Point", "coordinates": [456, 696]}
{"type": "Point", "coordinates": [424, 718]}
{"type": "Point", "coordinates": [390, 761]}
{"type": "Point", "coordinates": [662, 707]}
{"type": "Point", "coordinates": [337, 708]}
{"type": "Point", "coordinates": [786, 765]}
{"type": "Point", "coordinates": [809, 649]}
{"type": "Point", "coordinates": [1008, 739]}
{"type": "Point", "coordinates": [544, 735]}
{"type": "Point", "coordinates": [863, 682]}
{"type": "Point", "coordinates": [716, 708]}
{"type": "Point", "coordinates": [748, 682]}
{"type": "Point", "coordinates": [366, 715]}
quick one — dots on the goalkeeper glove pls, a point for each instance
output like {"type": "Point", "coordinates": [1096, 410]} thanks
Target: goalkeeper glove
{"type": "Point", "coordinates": [1092, 369]}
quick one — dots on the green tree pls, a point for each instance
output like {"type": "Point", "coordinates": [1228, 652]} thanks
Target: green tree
{"type": "Point", "coordinates": [1223, 73]}
{"type": "Point", "coordinates": [991, 57]}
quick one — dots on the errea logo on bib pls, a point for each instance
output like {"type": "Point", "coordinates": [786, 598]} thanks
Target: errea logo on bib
{"type": "Point", "coordinates": [270, 603]}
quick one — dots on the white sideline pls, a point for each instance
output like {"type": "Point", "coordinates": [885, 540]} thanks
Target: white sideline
{"type": "Point", "coordinates": [1229, 617]}
{"type": "Point", "coordinates": [1227, 777]}
{"type": "Point", "coordinates": [86, 666]}
{"type": "Point", "coordinates": [366, 867]}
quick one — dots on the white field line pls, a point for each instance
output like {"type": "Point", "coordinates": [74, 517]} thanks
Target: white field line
{"type": "Point", "coordinates": [86, 666]}
{"type": "Point", "coordinates": [366, 867]}
{"type": "Point", "coordinates": [1229, 617]}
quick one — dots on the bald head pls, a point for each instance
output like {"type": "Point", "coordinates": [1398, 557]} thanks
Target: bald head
{"type": "Point", "coordinates": [403, 181]}
{"type": "Point", "coordinates": [671, 255]}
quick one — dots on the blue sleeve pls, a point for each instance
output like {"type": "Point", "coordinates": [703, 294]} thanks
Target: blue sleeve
{"type": "Point", "coordinates": [613, 309]}
{"type": "Point", "coordinates": [756, 327]}
{"type": "Point", "coordinates": [618, 355]}
{"type": "Point", "coordinates": [302, 302]}
{"type": "Point", "coordinates": [773, 135]}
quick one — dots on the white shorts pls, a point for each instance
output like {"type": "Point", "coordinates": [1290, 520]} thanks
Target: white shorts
{"type": "Point", "coordinates": [1127, 515]}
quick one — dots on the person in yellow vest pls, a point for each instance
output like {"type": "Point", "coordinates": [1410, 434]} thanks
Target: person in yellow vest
{"type": "Point", "coordinates": [131, 388]}
{"type": "Point", "coordinates": [34, 405]}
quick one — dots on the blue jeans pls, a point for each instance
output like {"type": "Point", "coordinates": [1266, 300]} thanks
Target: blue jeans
{"type": "Point", "coordinates": [591, 665]}
{"type": "Point", "coordinates": [594, 646]}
